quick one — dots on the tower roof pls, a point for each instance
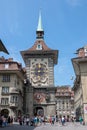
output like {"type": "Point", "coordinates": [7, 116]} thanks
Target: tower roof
{"type": "Point", "coordinates": [43, 51]}
{"type": "Point", "coordinates": [40, 49]}
{"type": "Point", "coordinates": [43, 45]}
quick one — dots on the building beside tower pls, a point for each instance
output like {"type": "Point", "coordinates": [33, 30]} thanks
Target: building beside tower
{"type": "Point", "coordinates": [11, 87]}
{"type": "Point", "coordinates": [64, 102]}
{"type": "Point", "coordinates": [80, 84]}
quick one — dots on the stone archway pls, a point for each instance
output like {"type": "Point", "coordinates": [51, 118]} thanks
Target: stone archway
{"type": "Point", "coordinates": [5, 112]}
{"type": "Point", "coordinates": [39, 111]}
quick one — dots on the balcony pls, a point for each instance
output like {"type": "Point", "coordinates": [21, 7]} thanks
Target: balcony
{"type": "Point", "coordinates": [13, 105]}
{"type": "Point", "coordinates": [4, 105]}
{"type": "Point", "coordinates": [5, 93]}
{"type": "Point", "coordinates": [14, 91]}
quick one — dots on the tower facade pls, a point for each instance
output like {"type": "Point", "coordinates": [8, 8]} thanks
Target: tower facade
{"type": "Point", "coordinates": [40, 61]}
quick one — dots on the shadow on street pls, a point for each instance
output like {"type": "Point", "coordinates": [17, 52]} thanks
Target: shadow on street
{"type": "Point", "coordinates": [18, 127]}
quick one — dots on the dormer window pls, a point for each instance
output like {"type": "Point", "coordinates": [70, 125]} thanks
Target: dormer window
{"type": "Point", "coordinates": [39, 47]}
{"type": "Point", "coordinates": [85, 50]}
{"type": "Point", "coordinates": [6, 66]}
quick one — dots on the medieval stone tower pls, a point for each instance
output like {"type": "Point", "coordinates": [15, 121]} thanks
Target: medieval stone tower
{"type": "Point", "coordinates": [40, 61]}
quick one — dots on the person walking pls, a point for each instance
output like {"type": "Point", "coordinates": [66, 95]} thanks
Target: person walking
{"type": "Point", "coordinates": [63, 120]}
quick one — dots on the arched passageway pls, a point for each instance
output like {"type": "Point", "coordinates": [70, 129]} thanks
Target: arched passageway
{"type": "Point", "coordinates": [39, 111]}
{"type": "Point", "coordinates": [5, 112]}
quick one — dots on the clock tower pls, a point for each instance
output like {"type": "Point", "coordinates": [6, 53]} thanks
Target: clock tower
{"type": "Point", "coordinates": [40, 61]}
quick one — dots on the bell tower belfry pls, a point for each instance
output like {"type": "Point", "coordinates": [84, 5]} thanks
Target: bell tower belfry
{"type": "Point", "coordinates": [40, 61]}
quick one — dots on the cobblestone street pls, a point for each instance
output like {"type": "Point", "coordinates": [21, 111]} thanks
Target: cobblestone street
{"type": "Point", "coordinates": [56, 126]}
{"type": "Point", "coordinates": [67, 126]}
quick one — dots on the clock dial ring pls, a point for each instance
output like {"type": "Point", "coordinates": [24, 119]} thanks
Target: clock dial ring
{"type": "Point", "coordinates": [39, 72]}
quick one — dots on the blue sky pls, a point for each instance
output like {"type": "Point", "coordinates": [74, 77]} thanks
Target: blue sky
{"type": "Point", "coordinates": [64, 23]}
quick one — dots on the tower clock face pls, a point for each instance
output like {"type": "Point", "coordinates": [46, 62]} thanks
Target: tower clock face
{"type": "Point", "coordinates": [39, 72]}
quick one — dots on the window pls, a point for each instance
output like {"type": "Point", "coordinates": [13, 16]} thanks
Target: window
{"type": "Point", "coordinates": [39, 47]}
{"type": "Point", "coordinates": [59, 104]}
{"type": "Point", "coordinates": [67, 105]}
{"type": "Point", "coordinates": [5, 90]}
{"type": "Point", "coordinates": [14, 99]}
{"type": "Point", "coordinates": [4, 101]}
{"type": "Point", "coordinates": [34, 60]}
{"type": "Point", "coordinates": [6, 66]}
{"type": "Point", "coordinates": [6, 78]}
{"type": "Point", "coordinates": [63, 104]}
{"type": "Point", "coordinates": [85, 51]}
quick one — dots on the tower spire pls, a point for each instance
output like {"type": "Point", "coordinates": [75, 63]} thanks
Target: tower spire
{"type": "Point", "coordinates": [39, 27]}
{"type": "Point", "coordinates": [40, 31]}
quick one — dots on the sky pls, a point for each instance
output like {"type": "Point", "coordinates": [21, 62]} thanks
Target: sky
{"type": "Point", "coordinates": [65, 29]}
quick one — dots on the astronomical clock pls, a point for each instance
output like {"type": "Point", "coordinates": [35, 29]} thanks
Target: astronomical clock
{"type": "Point", "coordinates": [39, 97]}
{"type": "Point", "coordinates": [39, 73]}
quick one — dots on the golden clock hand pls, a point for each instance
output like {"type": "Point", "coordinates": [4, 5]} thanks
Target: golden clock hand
{"type": "Point", "coordinates": [39, 65]}
{"type": "Point", "coordinates": [38, 77]}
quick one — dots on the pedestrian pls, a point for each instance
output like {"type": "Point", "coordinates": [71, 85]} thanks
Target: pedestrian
{"type": "Point", "coordinates": [62, 120]}
{"type": "Point", "coordinates": [83, 122]}
{"type": "Point", "coordinates": [20, 120]}
{"type": "Point", "coordinates": [35, 121]}
{"type": "Point", "coordinates": [53, 120]}
{"type": "Point", "coordinates": [80, 119]}
{"type": "Point", "coordinates": [9, 120]}
{"type": "Point", "coordinates": [1, 121]}
{"type": "Point", "coordinates": [4, 121]}
{"type": "Point", "coordinates": [27, 121]}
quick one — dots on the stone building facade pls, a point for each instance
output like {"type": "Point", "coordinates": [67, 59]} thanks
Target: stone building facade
{"type": "Point", "coordinates": [80, 83]}
{"type": "Point", "coordinates": [11, 87]}
{"type": "Point", "coordinates": [40, 61]}
{"type": "Point", "coordinates": [64, 102]}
